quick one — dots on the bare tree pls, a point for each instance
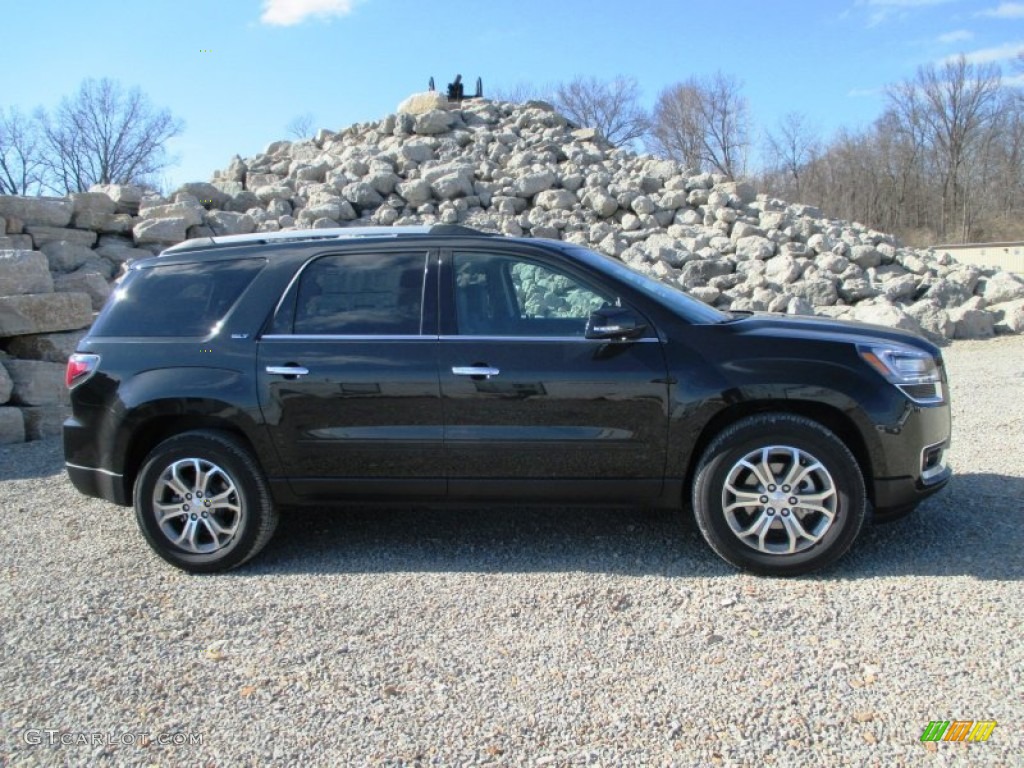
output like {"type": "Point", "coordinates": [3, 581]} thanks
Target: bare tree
{"type": "Point", "coordinates": [791, 149]}
{"type": "Point", "coordinates": [703, 123]}
{"type": "Point", "coordinates": [21, 164]}
{"type": "Point", "coordinates": [955, 105]}
{"type": "Point", "coordinates": [612, 107]}
{"type": "Point", "coordinates": [301, 126]}
{"type": "Point", "coordinates": [104, 135]}
{"type": "Point", "coordinates": [522, 92]}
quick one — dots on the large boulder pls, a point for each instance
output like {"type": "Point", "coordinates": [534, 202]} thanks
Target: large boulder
{"type": "Point", "coordinates": [85, 281]}
{"type": "Point", "coordinates": [37, 382]}
{"type": "Point", "coordinates": [51, 347]}
{"type": "Point", "coordinates": [64, 256]}
{"type": "Point", "coordinates": [161, 231]}
{"type": "Point", "coordinates": [12, 426]}
{"type": "Point", "coordinates": [42, 211]}
{"type": "Point", "coordinates": [43, 421]}
{"type": "Point", "coordinates": [43, 313]}
{"type": "Point", "coordinates": [422, 103]}
{"type": "Point", "coordinates": [191, 213]}
{"type": "Point", "coordinates": [6, 385]}
{"type": "Point", "coordinates": [24, 272]}
{"type": "Point", "coordinates": [433, 122]}
{"type": "Point", "coordinates": [126, 197]}
{"type": "Point", "coordinates": [42, 235]}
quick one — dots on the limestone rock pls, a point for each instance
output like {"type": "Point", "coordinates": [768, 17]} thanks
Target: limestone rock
{"type": "Point", "coordinates": [51, 347]}
{"type": "Point", "coordinates": [44, 421]}
{"type": "Point", "coordinates": [422, 103]}
{"type": "Point", "coordinates": [43, 313]}
{"type": "Point", "coordinates": [42, 235]}
{"type": "Point", "coordinates": [84, 281]}
{"type": "Point", "coordinates": [6, 385]}
{"type": "Point", "coordinates": [37, 382]}
{"type": "Point", "coordinates": [160, 231]}
{"type": "Point", "coordinates": [12, 426]}
{"type": "Point", "coordinates": [24, 272]}
{"type": "Point", "coordinates": [40, 211]}
{"type": "Point", "coordinates": [64, 256]}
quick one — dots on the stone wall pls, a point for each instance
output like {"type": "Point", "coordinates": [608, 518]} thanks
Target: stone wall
{"type": "Point", "coordinates": [519, 169]}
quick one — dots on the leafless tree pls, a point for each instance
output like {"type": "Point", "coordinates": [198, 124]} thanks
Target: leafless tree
{"type": "Point", "coordinates": [610, 106]}
{"type": "Point", "coordinates": [522, 92]}
{"type": "Point", "coordinates": [704, 123]}
{"type": "Point", "coordinates": [104, 135]}
{"type": "Point", "coordinates": [790, 150]}
{"type": "Point", "coordinates": [954, 105]}
{"type": "Point", "coordinates": [301, 126]}
{"type": "Point", "coordinates": [21, 164]}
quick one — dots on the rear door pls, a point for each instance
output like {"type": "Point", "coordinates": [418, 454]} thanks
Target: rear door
{"type": "Point", "coordinates": [348, 377]}
{"type": "Point", "coordinates": [532, 408]}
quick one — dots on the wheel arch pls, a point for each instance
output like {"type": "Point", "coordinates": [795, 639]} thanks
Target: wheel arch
{"type": "Point", "coordinates": [155, 430]}
{"type": "Point", "coordinates": [828, 416]}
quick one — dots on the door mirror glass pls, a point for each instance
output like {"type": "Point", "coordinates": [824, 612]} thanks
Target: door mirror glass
{"type": "Point", "coordinates": [615, 323]}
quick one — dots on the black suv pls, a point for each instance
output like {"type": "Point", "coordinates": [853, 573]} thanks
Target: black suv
{"type": "Point", "coordinates": [233, 375]}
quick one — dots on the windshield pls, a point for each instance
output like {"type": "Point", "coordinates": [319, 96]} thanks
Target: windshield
{"type": "Point", "coordinates": [686, 306]}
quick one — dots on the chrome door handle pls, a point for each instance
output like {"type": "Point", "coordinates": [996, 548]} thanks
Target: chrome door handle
{"type": "Point", "coordinates": [287, 370]}
{"type": "Point", "coordinates": [475, 370]}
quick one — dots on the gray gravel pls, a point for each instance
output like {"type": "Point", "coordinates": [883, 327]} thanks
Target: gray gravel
{"type": "Point", "coordinates": [519, 636]}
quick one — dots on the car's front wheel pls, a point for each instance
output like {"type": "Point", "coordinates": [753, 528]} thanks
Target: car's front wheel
{"type": "Point", "coordinates": [202, 502]}
{"type": "Point", "coordinates": [779, 494]}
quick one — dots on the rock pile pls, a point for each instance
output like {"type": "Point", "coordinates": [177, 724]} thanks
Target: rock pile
{"type": "Point", "coordinates": [518, 169]}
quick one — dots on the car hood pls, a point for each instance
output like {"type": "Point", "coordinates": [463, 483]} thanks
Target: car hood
{"type": "Point", "coordinates": [825, 329]}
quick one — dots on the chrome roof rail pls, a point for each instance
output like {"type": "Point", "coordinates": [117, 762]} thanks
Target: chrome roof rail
{"type": "Point", "coordinates": [311, 235]}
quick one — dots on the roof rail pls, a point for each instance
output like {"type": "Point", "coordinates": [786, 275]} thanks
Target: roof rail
{"type": "Point", "coordinates": [309, 235]}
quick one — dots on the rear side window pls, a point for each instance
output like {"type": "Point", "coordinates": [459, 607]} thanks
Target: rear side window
{"type": "Point", "coordinates": [377, 294]}
{"type": "Point", "coordinates": [176, 299]}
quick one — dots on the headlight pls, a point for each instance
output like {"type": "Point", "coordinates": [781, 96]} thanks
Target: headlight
{"type": "Point", "coordinates": [913, 371]}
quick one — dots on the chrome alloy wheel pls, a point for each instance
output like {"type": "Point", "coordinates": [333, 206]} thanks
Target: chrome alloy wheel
{"type": "Point", "coordinates": [197, 506]}
{"type": "Point", "coordinates": [779, 500]}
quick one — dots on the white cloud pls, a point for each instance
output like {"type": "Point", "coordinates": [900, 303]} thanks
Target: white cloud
{"type": "Point", "coordinates": [956, 36]}
{"type": "Point", "coordinates": [1005, 11]}
{"type": "Point", "coordinates": [287, 13]}
{"type": "Point", "coordinates": [883, 10]}
{"type": "Point", "coordinates": [990, 55]}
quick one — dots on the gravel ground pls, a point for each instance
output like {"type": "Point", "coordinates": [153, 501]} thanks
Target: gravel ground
{"type": "Point", "coordinates": [521, 636]}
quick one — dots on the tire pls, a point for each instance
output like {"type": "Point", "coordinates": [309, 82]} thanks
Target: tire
{"type": "Point", "coordinates": [762, 530]}
{"type": "Point", "coordinates": [230, 527]}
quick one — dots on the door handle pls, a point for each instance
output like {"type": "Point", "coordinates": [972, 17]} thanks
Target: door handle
{"type": "Point", "coordinates": [475, 370]}
{"type": "Point", "coordinates": [287, 370]}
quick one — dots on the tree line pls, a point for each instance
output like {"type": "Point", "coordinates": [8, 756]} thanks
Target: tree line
{"type": "Point", "coordinates": [943, 162]}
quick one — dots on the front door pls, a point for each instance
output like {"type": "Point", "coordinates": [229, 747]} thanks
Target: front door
{"type": "Point", "coordinates": [532, 408]}
{"type": "Point", "coordinates": [348, 378]}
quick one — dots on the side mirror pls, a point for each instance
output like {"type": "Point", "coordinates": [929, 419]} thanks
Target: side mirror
{"type": "Point", "coordinates": [614, 323]}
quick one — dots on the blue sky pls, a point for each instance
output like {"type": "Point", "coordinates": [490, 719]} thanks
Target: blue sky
{"type": "Point", "coordinates": [237, 71]}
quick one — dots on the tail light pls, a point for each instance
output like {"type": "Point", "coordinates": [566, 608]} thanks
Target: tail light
{"type": "Point", "coordinates": [80, 367]}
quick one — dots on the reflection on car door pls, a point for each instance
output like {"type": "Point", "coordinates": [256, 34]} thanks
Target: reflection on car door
{"type": "Point", "coordinates": [532, 408]}
{"type": "Point", "coordinates": [348, 378]}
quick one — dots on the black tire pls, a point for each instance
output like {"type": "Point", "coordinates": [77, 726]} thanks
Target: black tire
{"type": "Point", "coordinates": [216, 533]}
{"type": "Point", "coordinates": [767, 542]}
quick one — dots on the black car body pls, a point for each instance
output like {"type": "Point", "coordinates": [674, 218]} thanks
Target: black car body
{"type": "Point", "coordinates": [445, 364]}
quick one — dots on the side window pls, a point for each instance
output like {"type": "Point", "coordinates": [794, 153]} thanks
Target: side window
{"type": "Point", "coordinates": [499, 295]}
{"type": "Point", "coordinates": [361, 294]}
{"type": "Point", "coordinates": [176, 299]}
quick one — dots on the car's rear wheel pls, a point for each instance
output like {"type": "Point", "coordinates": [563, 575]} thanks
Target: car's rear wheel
{"type": "Point", "coordinates": [779, 494]}
{"type": "Point", "coordinates": [202, 502]}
